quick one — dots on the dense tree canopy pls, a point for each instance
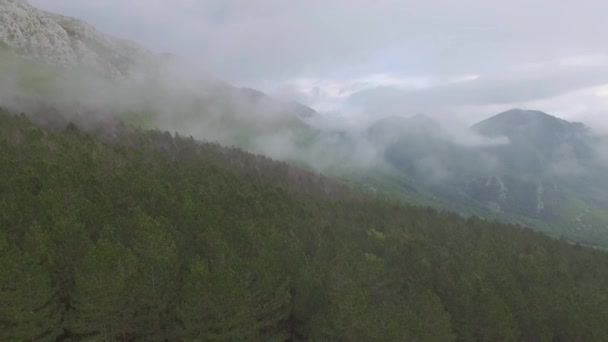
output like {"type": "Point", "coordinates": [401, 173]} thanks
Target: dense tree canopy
{"type": "Point", "coordinates": [148, 236]}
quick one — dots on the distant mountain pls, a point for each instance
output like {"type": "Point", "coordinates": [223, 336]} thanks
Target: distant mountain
{"type": "Point", "coordinates": [295, 108]}
{"type": "Point", "coordinates": [254, 95]}
{"type": "Point", "coordinates": [537, 138]}
{"type": "Point", "coordinates": [300, 110]}
{"type": "Point", "coordinates": [518, 121]}
{"type": "Point", "coordinates": [546, 174]}
{"type": "Point", "coordinates": [393, 128]}
{"type": "Point", "coordinates": [550, 170]}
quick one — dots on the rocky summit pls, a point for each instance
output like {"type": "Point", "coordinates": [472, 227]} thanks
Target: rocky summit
{"type": "Point", "coordinates": [64, 41]}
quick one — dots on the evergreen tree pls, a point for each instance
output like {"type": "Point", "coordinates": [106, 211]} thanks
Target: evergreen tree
{"type": "Point", "coordinates": [28, 310]}
{"type": "Point", "coordinates": [132, 235]}
{"type": "Point", "coordinates": [215, 305]}
{"type": "Point", "coordinates": [102, 298]}
{"type": "Point", "coordinates": [155, 284]}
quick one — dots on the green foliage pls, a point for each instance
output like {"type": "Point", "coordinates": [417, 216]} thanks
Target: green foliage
{"type": "Point", "coordinates": [102, 298]}
{"type": "Point", "coordinates": [215, 304]}
{"type": "Point", "coordinates": [27, 307]}
{"type": "Point", "coordinates": [150, 236]}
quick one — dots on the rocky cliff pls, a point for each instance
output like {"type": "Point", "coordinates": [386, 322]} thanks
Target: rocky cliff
{"type": "Point", "coordinates": [64, 41]}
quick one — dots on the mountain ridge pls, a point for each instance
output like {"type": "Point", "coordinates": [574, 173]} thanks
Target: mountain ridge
{"type": "Point", "coordinates": [64, 41]}
{"type": "Point", "coordinates": [518, 119]}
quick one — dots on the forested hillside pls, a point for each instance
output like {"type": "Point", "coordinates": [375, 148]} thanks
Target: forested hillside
{"type": "Point", "coordinates": [132, 235]}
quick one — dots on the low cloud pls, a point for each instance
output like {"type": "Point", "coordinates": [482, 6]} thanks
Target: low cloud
{"type": "Point", "coordinates": [457, 62]}
{"type": "Point", "coordinates": [460, 60]}
{"type": "Point", "coordinates": [519, 85]}
{"type": "Point", "coordinates": [275, 40]}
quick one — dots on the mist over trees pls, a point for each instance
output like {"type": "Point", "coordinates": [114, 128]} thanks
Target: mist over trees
{"type": "Point", "coordinates": [140, 235]}
{"type": "Point", "coordinates": [143, 199]}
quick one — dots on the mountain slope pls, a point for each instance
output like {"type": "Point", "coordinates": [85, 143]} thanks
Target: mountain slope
{"type": "Point", "coordinates": [64, 41]}
{"type": "Point", "coordinates": [48, 60]}
{"type": "Point", "coordinates": [549, 152]}
{"type": "Point", "coordinates": [541, 177]}
{"type": "Point", "coordinates": [196, 241]}
{"type": "Point", "coordinates": [529, 167]}
{"type": "Point", "coordinates": [390, 129]}
{"type": "Point", "coordinates": [537, 140]}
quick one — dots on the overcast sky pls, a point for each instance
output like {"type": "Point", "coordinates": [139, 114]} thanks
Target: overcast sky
{"type": "Point", "coordinates": [465, 59]}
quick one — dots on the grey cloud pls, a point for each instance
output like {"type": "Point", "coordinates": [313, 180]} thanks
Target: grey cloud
{"type": "Point", "coordinates": [502, 90]}
{"type": "Point", "coordinates": [506, 88]}
{"type": "Point", "coordinates": [276, 39]}
{"type": "Point", "coordinates": [267, 43]}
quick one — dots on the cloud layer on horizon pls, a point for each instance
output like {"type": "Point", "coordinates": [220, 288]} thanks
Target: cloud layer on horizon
{"type": "Point", "coordinates": [395, 57]}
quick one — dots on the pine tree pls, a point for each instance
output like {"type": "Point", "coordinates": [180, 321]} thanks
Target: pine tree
{"type": "Point", "coordinates": [102, 298]}
{"type": "Point", "coordinates": [155, 286]}
{"type": "Point", "coordinates": [28, 310]}
{"type": "Point", "coordinates": [215, 305]}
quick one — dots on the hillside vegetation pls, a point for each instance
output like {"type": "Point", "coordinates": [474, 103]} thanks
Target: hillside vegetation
{"type": "Point", "coordinates": [550, 176]}
{"type": "Point", "coordinates": [143, 235]}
